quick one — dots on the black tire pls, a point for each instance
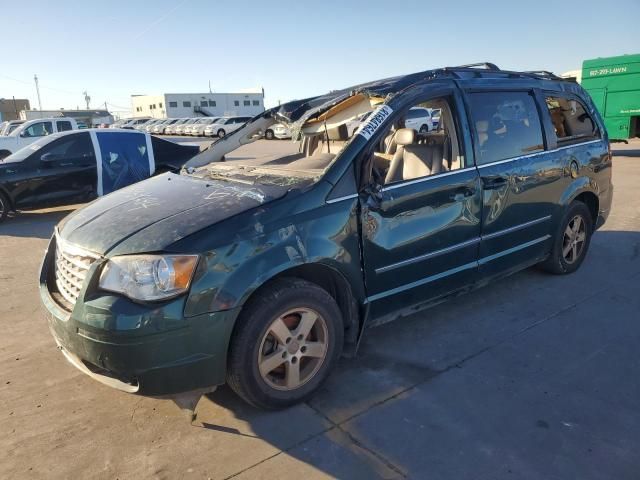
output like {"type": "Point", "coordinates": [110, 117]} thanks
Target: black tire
{"type": "Point", "coordinates": [5, 206]}
{"type": "Point", "coordinates": [557, 263]}
{"type": "Point", "coordinates": [4, 154]}
{"type": "Point", "coordinates": [424, 128]}
{"type": "Point", "coordinates": [221, 133]}
{"type": "Point", "coordinates": [269, 135]}
{"type": "Point", "coordinates": [268, 305]}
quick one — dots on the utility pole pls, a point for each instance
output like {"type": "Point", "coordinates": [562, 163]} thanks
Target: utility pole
{"type": "Point", "coordinates": [15, 106]}
{"type": "Point", "coordinates": [35, 77]}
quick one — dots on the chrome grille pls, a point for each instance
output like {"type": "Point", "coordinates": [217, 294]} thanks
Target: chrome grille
{"type": "Point", "coordinates": [72, 265]}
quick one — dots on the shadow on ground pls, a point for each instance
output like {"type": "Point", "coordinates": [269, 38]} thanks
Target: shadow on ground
{"type": "Point", "coordinates": [626, 153]}
{"type": "Point", "coordinates": [489, 383]}
{"type": "Point", "coordinates": [33, 224]}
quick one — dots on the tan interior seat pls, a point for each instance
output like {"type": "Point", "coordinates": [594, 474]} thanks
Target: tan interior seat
{"type": "Point", "coordinates": [412, 160]}
{"type": "Point", "coordinates": [482, 127]}
{"type": "Point", "coordinates": [337, 139]}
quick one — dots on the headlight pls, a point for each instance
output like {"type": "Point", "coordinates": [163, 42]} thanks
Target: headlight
{"type": "Point", "coordinates": [148, 277]}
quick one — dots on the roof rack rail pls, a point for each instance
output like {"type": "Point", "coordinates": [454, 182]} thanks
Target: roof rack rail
{"type": "Point", "coordinates": [486, 65]}
{"type": "Point", "coordinates": [543, 73]}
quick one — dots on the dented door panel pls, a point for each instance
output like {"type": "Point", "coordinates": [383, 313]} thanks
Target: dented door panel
{"type": "Point", "coordinates": [420, 240]}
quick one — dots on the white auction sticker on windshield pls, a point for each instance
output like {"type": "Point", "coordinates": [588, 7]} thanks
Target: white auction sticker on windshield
{"type": "Point", "coordinates": [374, 121]}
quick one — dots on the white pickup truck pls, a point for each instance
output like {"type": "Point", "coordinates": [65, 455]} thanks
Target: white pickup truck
{"type": "Point", "coordinates": [32, 130]}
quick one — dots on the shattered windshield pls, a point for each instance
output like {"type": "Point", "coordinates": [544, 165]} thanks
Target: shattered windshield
{"type": "Point", "coordinates": [279, 162]}
{"type": "Point", "coordinates": [318, 139]}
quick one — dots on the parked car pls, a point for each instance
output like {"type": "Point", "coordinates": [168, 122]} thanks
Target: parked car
{"type": "Point", "coordinates": [419, 118]}
{"type": "Point", "coordinates": [278, 130]}
{"type": "Point", "coordinates": [435, 117]}
{"type": "Point", "coordinates": [9, 126]}
{"type": "Point", "coordinates": [149, 125]}
{"type": "Point", "coordinates": [29, 132]}
{"type": "Point", "coordinates": [224, 126]}
{"type": "Point", "coordinates": [78, 166]}
{"type": "Point", "coordinates": [189, 127]}
{"type": "Point", "coordinates": [197, 130]}
{"type": "Point", "coordinates": [159, 128]}
{"type": "Point", "coordinates": [171, 129]}
{"type": "Point", "coordinates": [119, 123]}
{"type": "Point", "coordinates": [179, 130]}
{"type": "Point", "coordinates": [142, 125]}
{"type": "Point", "coordinates": [135, 122]}
{"type": "Point", "coordinates": [354, 124]}
{"type": "Point", "coordinates": [257, 270]}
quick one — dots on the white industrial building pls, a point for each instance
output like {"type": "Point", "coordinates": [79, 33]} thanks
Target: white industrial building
{"type": "Point", "coordinates": [180, 105]}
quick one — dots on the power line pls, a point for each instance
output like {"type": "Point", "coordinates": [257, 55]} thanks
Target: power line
{"type": "Point", "coordinates": [30, 83]}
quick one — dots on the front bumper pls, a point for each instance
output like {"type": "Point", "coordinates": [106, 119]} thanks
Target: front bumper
{"type": "Point", "coordinates": [146, 349]}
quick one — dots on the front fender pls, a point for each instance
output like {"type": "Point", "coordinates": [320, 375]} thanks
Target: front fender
{"type": "Point", "coordinates": [326, 236]}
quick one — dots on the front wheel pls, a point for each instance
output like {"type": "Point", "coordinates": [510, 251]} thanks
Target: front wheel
{"type": "Point", "coordinates": [4, 154]}
{"type": "Point", "coordinates": [571, 241]}
{"type": "Point", "coordinates": [269, 135]}
{"type": "Point", "coordinates": [287, 339]}
{"type": "Point", "coordinates": [424, 129]}
{"type": "Point", "coordinates": [221, 133]}
{"type": "Point", "coordinates": [4, 207]}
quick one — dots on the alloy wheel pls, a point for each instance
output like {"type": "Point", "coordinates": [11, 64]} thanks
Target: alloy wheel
{"type": "Point", "coordinates": [293, 349]}
{"type": "Point", "coordinates": [574, 239]}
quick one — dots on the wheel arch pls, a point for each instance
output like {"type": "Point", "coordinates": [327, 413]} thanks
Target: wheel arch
{"type": "Point", "coordinates": [9, 198]}
{"type": "Point", "coordinates": [592, 202]}
{"type": "Point", "coordinates": [330, 280]}
{"type": "Point", "coordinates": [582, 190]}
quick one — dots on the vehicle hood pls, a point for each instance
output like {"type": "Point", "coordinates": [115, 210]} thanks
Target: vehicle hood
{"type": "Point", "coordinates": [151, 215]}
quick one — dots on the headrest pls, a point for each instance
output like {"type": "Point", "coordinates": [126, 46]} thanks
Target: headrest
{"type": "Point", "coordinates": [482, 126]}
{"type": "Point", "coordinates": [339, 133]}
{"type": "Point", "coordinates": [405, 136]}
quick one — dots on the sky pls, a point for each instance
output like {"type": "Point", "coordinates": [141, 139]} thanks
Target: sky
{"type": "Point", "coordinates": [293, 49]}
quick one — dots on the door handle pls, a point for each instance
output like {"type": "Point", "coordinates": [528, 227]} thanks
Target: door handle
{"type": "Point", "coordinates": [494, 183]}
{"type": "Point", "coordinates": [462, 193]}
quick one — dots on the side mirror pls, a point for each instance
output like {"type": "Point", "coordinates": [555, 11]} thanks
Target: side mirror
{"type": "Point", "coordinates": [24, 134]}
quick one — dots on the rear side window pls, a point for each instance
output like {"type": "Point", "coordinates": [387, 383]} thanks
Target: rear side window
{"type": "Point", "coordinates": [71, 148]}
{"type": "Point", "coordinates": [64, 126]}
{"type": "Point", "coordinates": [571, 121]}
{"type": "Point", "coordinates": [38, 130]}
{"type": "Point", "coordinates": [507, 125]}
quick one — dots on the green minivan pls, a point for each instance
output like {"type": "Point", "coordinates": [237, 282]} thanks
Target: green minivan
{"type": "Point", "coordinates": [261, 263]}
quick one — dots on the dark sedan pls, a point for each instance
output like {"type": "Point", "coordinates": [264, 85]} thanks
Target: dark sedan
{"type": "Point", "coordinates": [78, 166]}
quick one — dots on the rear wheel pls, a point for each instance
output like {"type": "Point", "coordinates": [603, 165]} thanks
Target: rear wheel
{"type": "Point", "coordinates": [269, 135]}
{"type": "Point", "coordinates": [571, 241]}
{"type": "Point", "coordinates": [287, 340]}
{"type": "Point", "coordinates": [221, 133]}
{"type": "Point", "coordinates": [4, 154]}
{"type": "Point", "coordinates": [4, 206]}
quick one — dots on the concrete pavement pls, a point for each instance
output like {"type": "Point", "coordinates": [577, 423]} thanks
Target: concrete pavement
{"type": "Point", "coordinates": [532, 377]}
